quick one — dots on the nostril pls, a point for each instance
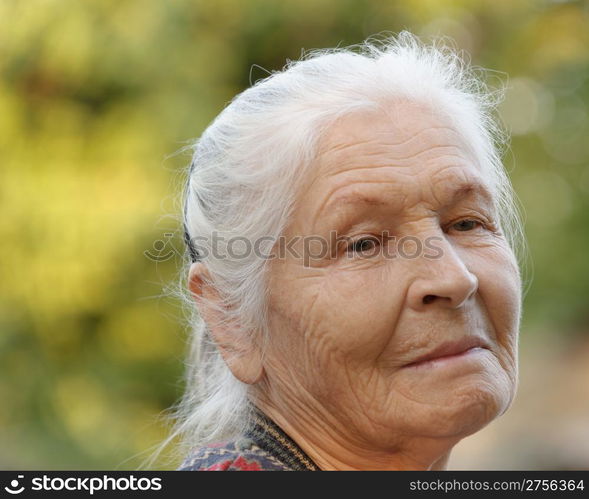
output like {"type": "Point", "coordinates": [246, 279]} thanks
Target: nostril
{"type": "Point", "coordinates": [428, 299]}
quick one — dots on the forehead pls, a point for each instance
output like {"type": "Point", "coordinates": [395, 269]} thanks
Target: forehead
{"type": "Point", "coordinates": [406, 144]}
{"type": "Point", "coordinates": [402, 134]}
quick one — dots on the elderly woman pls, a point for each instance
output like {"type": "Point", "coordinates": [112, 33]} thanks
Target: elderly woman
{"type": "Point", "coordinates": [352, 237]}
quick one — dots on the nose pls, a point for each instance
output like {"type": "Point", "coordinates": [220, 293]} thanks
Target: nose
{"type": "Point", "coordinates": [444, 281]}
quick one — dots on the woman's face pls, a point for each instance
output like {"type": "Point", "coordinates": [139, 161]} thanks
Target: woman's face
{"type": "Point", "coordinates": [349, 327]}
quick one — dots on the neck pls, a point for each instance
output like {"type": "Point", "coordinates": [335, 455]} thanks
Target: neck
{"type": "Point", "coordinates": [330, 450]}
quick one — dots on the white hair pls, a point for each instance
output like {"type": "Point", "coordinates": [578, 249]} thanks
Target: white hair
{"type": "Point", "coordinates": [248, 166]}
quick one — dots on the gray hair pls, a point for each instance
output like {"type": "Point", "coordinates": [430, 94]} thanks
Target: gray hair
{"type": "Point", "coordinates": [248, 166]}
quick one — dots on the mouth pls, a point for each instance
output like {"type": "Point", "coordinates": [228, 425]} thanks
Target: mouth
{"type": "Point", "coordinates": [452, 350]}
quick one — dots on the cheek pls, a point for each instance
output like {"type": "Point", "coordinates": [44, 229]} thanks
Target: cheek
{"type": "Point", "coordinates": [356, 313]}
{"type": "Point", "coordinates": [500, 291]}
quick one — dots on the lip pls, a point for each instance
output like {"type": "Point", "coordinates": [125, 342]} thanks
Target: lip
{"type": "Point", "coordinates": [451, 349]}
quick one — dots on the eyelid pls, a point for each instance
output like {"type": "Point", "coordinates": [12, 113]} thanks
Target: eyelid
{"type": "Point", "coordinates": [486, 222]}
{"type": "Point", "coordinates": [354, 239]}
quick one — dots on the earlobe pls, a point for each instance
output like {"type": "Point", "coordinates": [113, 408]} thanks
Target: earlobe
{"type": "Point", "coordinates": [238, 348]}
{"type": "Point", "coordinates": [246, 365]}
{"type": "Point", "coordinates": [239, 351]}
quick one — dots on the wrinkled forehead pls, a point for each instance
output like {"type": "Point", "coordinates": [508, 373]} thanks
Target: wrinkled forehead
{"type": "Point", "coordinates": [404, 133]}
{"type": "Point", "coordinates": [403, 153]}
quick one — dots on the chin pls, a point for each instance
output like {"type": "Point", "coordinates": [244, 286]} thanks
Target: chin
{"type": "Point", "coordinates": [456, 408]}
{"type": "Point", "coordinates": [469, 410]}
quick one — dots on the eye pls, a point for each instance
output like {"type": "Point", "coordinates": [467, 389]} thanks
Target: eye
{"type": "Point", "coordinates": [467, 225]}
{"type": "Point", "coordinates": [362, 245]}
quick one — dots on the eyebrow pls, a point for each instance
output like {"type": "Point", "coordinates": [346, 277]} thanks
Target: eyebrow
{"type": "Point", "coordinates": [468, 189]}
{"type": "Point", "coordinates": [461, 191]}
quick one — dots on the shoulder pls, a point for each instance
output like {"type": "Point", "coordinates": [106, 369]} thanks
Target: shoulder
{"type": "Point", "coordinates": [236, 455]}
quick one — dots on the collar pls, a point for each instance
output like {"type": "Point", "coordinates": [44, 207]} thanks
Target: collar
{"type": "Point", "coordinates": [269, 436]}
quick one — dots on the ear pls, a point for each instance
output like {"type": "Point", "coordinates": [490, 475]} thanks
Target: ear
{"type": "Point", "coordinates": [239, 351]}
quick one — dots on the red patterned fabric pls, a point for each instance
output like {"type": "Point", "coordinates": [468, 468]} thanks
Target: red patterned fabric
{"type": "Point", "coordinates": [240, 464]}
{"type": "Point", "coordinates": [264, 447]}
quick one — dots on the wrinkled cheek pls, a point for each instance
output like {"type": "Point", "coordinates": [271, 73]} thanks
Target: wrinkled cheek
{"type": "Point", "coordinates": [337, 360]}
{"type": "Point", "coordinates": [500, 287]}
{"type": "Point", "coordinates": [358, 317]}
{"type": "Point", "coordinates": [508, 298]}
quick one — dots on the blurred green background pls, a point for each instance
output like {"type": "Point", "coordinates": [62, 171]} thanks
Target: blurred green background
{"type": "Point", "coordinates": [95, 99]}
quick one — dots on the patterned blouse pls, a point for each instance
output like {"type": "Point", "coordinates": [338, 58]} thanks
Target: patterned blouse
{"type": "Point", "coordinates": [264, 447]}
